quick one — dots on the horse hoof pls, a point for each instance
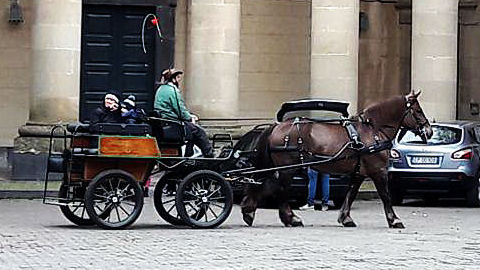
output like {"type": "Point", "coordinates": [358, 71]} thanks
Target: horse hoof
{"type": "Point", "coordinates": [349, 224]}
{"type": "Point", "coordinates": [297, 222]}
{"type": "Point", "coordinates": [397, 225]}
{"type": "Point", "coordinates": [248, 218]}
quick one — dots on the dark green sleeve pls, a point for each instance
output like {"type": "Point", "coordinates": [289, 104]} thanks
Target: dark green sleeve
{"type": "Point", "coordinates": [183, 113]}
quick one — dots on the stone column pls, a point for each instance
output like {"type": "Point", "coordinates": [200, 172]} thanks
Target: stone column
{"type": "Point", "coordinates": [56, 45]}
{"type": "Point", "coordinates": [434, 56]}
{"type": "Point", "coordinates": [213, 52]}
{"type": "Point", "coordinates": [334, 53]}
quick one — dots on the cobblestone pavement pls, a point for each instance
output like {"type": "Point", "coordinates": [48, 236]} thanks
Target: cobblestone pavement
{"type": "Point", "coordinates": [35, 236]}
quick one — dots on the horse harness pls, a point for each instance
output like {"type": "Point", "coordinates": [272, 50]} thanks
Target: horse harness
{"type": "Point", "coordinates": [355, 143]}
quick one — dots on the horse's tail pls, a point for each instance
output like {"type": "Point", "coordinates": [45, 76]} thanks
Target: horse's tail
{"type": "Point", "coordinates": [263, 158]}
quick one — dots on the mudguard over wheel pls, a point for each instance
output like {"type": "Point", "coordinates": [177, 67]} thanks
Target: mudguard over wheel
{"type": "Point", "coordinates": [75, 209]}
{"type": "Point", "coordinates": [204, 199]}
{"type": "Point", "coordinates": [114, 199]}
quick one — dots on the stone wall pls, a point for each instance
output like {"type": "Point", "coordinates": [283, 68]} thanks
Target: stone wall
{"type": "Point", "coordinates": [468, 61]}
{"type": "Point", "coordinates": [15, 70]}
{"type": "Point", "coordinates": [384, 53]}
{"type": "Point", "coordinates": [274, 55]}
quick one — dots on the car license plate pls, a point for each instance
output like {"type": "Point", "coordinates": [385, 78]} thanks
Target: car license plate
{"type": "Point", "coordinates": [424, 160]}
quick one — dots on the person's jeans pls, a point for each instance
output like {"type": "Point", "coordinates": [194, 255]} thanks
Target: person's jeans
{"type": "Point", "coordinates": [312, 186]}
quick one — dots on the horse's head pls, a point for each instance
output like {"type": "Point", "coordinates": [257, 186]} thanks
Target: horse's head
{"type": "Point", "coordinates": [414, 119]}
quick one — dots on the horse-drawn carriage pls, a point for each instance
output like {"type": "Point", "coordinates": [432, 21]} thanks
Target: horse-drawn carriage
{"type": "Point", "coordinates": [106, 169]}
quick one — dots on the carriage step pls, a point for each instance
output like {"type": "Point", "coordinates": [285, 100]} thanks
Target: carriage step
{"type": "Point", "coordinates": [58, 201]}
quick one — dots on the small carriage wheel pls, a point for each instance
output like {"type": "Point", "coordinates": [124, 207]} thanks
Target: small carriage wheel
{"type": "Point", "coordinates": [204, 193]}
{"type": "Point", "coordinates": [114, 199]}
{"type": "Point", "coordinates": [75, 210]}
{"type": "Point", "coordinates": [164, 199]}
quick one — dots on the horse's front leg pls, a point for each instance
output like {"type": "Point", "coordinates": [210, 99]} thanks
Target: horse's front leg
{"type": "Point", "coordinates": [344, 215]}
{"type": "Point", "coordinates": [380, 180]}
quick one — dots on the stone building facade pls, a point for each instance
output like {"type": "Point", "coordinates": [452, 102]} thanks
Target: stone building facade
{"type": "Point", "coordinates": [243, 58]}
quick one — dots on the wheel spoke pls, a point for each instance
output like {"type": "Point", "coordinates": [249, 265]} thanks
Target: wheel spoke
{"type": "Point", "coordinates": [110, 183]}
{"type": "Point", "coordinates": [99, 209]}
{"type": "Point", "coordinates": [206, 219]}
{"type": "Point", "coordinates": [100, 196]}
{"type": "Point", "coordinates": [197, 214]}
{"type": "Point", "coordinates": [217, 198]}
{"type": "Point", "coordinates": [194, 188]}
{"type": "Point", "coordinates": [215, 191]}
{"type": "Point", "coordinates": [128, 203]}
{"type": "Point", "coordinates": [76, 208]}
{"type": "Point", "coordinates": [118, 184]}
{"type": "Point", "coordinates": [210, 185]}
{"type": "Point", "coordinates": [106, 210]}
{"type": "Point", "coordinates": [104, 189]}
{"type": "Point", "coordinates": [125, 189]}
{"type": "Point", "coordinates": [217, 205]}
{"type": "Point", "coordinates": [168, 201]}
{"type": "Point", "coordinates": [215, 215]}
{"type": "Point", "coordinates": [191, 194]}
{"type": "Point", "coordinates": [171, 208]}
{"type": "Point", "coordinates": [118, 214]}
{"type": "Point", "coordinates": [128, 196]}
{"type": "Point", "coordinates": [125, 211]}
{"type": "Point", "coordinates": [83, 212]}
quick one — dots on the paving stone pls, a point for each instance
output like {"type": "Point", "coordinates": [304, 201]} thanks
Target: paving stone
{"type": "Point", "coordinates": [36, 236]}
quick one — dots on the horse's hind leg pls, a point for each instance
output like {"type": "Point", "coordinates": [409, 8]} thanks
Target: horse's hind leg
{"type": "Point", "coordinates": [250, 202]}
{"type": "Point", "coordinates": [285, 212]}
{"type": "Point", "coordinates": [380, 181]}
{"type": "Point", "coordinates": [344, 215]}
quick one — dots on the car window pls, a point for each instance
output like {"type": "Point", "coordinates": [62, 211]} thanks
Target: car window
{"type": "Point", "coordinates": [442, 135]}
{"type": "Point", "coordinates": [476, 131]}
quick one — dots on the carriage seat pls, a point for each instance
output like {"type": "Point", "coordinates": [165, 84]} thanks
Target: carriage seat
{"type": "Point", "coordinates": [111, 129]}
{"type": "Point", "coordinates": [167, 132]}
{"type": "Point", "coordinates": [78, 128]}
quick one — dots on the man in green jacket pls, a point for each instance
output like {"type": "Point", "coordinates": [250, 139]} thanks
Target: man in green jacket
{"type": "Point", "coordinates": [170, 105]}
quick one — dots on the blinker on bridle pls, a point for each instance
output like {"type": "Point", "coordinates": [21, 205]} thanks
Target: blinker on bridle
{"type": "Point", "coordinates": [421, 123]}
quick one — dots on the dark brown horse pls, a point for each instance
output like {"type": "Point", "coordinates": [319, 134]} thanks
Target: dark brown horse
{"type": "Point", "coordinates": [377, 126]}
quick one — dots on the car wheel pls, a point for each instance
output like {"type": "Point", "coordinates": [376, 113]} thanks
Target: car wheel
{"type": "Point", "coordinates": [430, 199]}
{"type": "Point", "coordinates": [473, 195]}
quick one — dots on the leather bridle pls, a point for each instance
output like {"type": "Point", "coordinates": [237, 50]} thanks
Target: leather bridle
{"type": "Point", "coordinates": [421, 123]}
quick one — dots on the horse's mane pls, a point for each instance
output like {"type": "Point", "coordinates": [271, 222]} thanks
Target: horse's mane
{"type": "Point", "coordinates": [384, 112]}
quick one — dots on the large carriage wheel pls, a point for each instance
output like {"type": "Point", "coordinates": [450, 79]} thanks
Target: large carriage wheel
{"type": "Point", "coordinates": [75, 209]}
{"type": "Point", "coordinates": [204, 193]}
{"type": "Point", "coordinates": [114, 199]}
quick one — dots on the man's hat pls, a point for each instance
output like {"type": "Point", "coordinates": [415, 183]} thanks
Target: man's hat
{"type": "Point", "coordinates": [170, 73]}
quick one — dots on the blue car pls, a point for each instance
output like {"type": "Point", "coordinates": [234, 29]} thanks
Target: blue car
{"type": "Point", "coordinates": [447, 165]}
